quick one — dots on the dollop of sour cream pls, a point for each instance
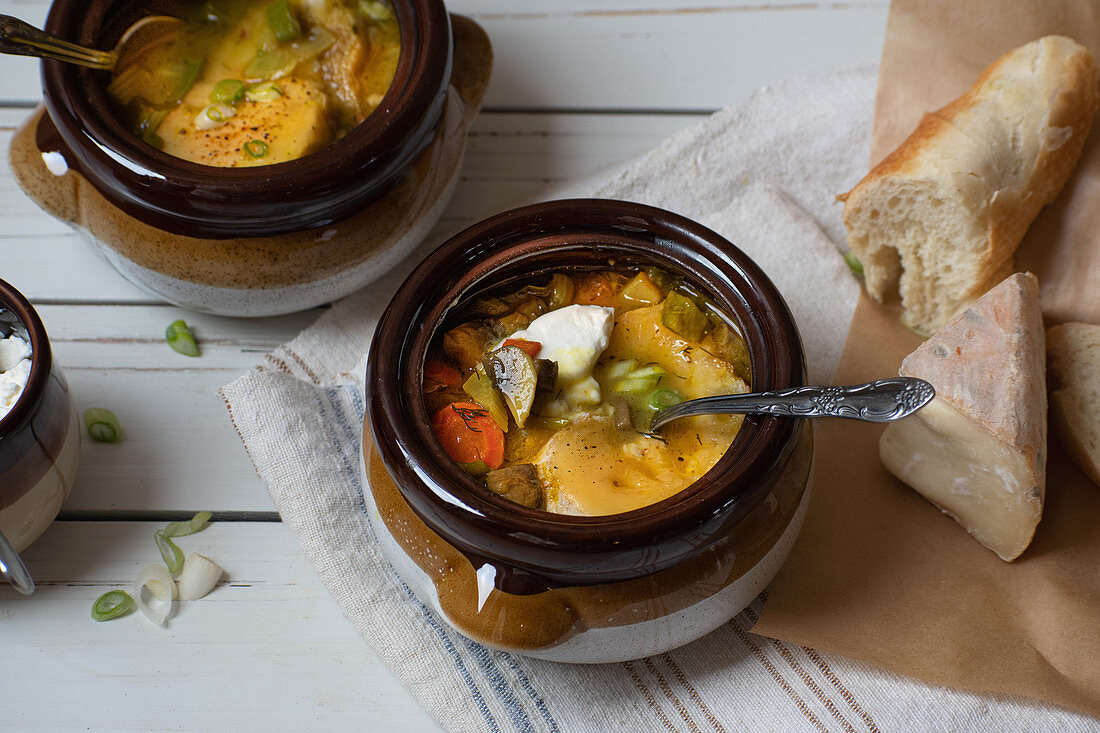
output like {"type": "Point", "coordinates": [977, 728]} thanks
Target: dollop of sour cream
{"type": "Point", "coordinates": [574, 337]}
{"type": "Point", "coordinates": [15, 370]}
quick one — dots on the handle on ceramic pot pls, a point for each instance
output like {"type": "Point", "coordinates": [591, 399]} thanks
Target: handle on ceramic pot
{"type": "Point", "coordinates": [473, 61]}
{"type": "Point", "coordinates": [13, 569]}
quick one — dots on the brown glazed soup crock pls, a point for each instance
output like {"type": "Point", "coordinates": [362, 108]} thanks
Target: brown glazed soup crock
{"type": "Point", "coordinates": [570, 588]}
{"type": "Point", "coordinates": [254, 240]}
{"type": "Point", "coordinates": [39, 437]}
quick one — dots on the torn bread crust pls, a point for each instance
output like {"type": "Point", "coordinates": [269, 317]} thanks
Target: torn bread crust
{"type": "Point", "coordinates": [943, 214]}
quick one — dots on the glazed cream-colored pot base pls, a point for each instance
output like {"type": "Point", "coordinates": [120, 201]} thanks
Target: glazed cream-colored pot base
{"type": "Point", "coordinates": [592, 624]}
{"type": "Point", "coordinates": [630, 641]}
{"type": "Point", "coordinates": [665, 633]}
{"type": "Point", "coordinates": [245, 302]}
{"type": "Point", "coordinates": [30, 515]}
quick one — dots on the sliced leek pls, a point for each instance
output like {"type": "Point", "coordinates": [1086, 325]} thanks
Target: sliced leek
{"type": "Point", "coordinates": [155, 584]}
{"type": "Point", "coordinates": [200, 575]}
{"type": "Point", "coordinates": [197, 523]}
{"type": "Point", "coordinates": [169, 552]}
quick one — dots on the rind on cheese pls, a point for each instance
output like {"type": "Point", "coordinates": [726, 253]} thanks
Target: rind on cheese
{"type": "Point", "coordinates": [979, 450]}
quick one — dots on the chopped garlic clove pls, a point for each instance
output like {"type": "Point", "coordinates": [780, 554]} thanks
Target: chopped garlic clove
{"type": "Point", "coordinates": [160, 586]}
{"type": "Point", "coordinates": [200, 575]}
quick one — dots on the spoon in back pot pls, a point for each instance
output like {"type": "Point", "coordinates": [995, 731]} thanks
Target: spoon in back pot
{"type": "Point", "coordinates": [883, 400]}
{"type": "Point", "coordinates": [21, 39]}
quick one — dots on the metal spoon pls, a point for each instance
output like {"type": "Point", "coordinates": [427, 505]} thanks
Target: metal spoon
{"type": "Point", "coordinates": [883, 400]}
{"type": "Point", "coordinates": [20, 39]}
{"type": "Point", "coordinates": [12, 568]}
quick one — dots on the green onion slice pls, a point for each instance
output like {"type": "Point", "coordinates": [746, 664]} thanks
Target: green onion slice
{"type": "Point", "coordinates": [102, 425]}
{"type": "Point", "coordinates": [169, 552]}
{"type": "Point", "coordinates": [282, 21]}
{"type": "Point", "coordinates": [227, 91]}
{"type": "Point", "coordinates": [853, 263]}
{"type": "Point", "coordinates": [659, 399]}
{"type": "Point", "coordinates": [256, 148]}
{"type": "Point", "coordinates": [263, 92]}
{"type": "Point", "coordinates": [112, 604]}
{"type": "Point", "coordinates": [181, 339]}
{"type": "Point", "coordinates": [197, 523]}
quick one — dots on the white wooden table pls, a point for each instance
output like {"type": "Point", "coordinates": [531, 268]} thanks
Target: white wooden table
{"type": "Point", "coordinates": [577, 85]}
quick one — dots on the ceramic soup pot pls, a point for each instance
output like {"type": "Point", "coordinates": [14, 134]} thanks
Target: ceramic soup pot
{"type": "Point", "coordinates": [261, 240]}
{"type": "Point", "coordinates": [39, 435]}
{"type": "Point", "coordinates": [583, 588]}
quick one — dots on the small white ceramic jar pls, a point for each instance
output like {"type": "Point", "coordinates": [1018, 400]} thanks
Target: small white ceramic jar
{"type": "Point", "coordinates": [39, 436]}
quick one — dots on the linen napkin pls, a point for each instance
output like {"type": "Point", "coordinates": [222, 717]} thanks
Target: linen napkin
{"type": "Point", "coordinates": [763, 174]}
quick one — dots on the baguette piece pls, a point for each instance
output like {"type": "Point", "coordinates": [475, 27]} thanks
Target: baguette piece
{"type": "Point", "coordinates": [978, 450]}
{"type": "Point", "coordinates": [1073, 358]}
{"type": "Point", "coordinates": [947, 209]}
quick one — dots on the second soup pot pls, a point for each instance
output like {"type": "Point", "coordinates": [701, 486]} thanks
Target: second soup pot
{"type": "Point", "coordinates": [264, 240]}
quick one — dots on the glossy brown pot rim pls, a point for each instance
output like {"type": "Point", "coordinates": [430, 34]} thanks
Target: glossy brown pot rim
{"type": "Point", "coordinates": [204, 201]}
{"type": "Point", "coordinates": [41, 359]}
{"type": "Point", "coordinates": [555, 546]}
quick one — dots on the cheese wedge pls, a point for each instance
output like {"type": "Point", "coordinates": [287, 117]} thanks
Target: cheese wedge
{"type": "Point", "coordinates": [978, 450]}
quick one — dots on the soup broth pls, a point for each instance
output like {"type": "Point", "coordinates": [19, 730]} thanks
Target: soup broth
{"type": "Point", "coordinates": [548, 391]}
{"type": "Point", "coordinates": [254, 83]}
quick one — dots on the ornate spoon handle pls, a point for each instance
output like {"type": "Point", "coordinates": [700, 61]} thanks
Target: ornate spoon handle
{"type": "Point", "coordinates": [883, 400]}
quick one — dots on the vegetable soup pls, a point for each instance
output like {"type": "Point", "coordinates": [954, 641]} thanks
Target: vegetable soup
{"type": "Point", "coordinates": [548, 391]}
{"type": "Point", "coordinates": [253, 83]}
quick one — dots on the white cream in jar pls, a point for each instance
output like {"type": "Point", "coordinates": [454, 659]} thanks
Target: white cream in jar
{"type": "Point", "coordinates": [15, 370]}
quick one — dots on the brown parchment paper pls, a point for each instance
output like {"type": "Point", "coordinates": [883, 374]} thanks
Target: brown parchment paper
{"type": "Point", "coordinates": [879, 574]}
